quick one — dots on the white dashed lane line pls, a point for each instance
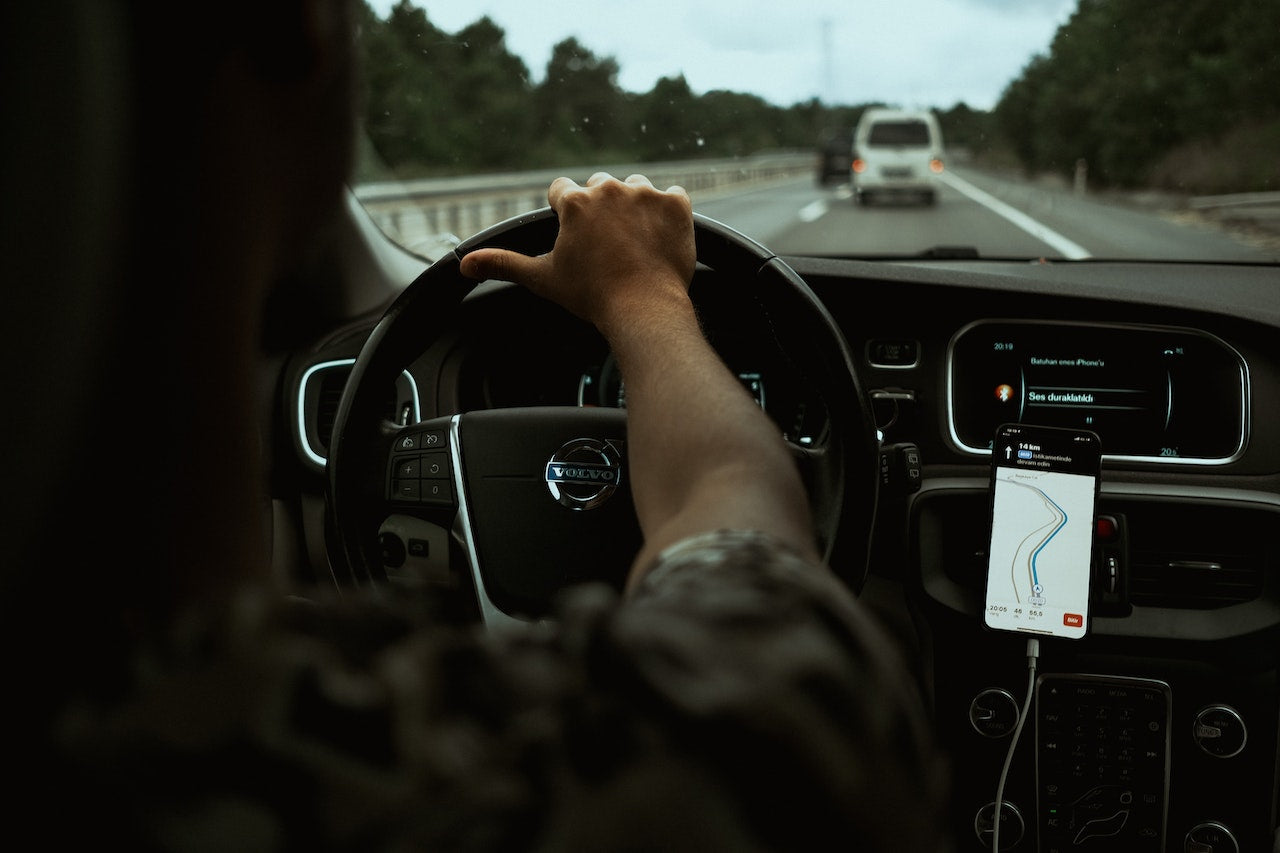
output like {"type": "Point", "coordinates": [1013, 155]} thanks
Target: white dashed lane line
{"type": "Point", "coordinates": [813, 210]}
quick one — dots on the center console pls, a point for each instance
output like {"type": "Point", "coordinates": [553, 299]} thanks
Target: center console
{"type": "Point", "coordinates": [1149, 734]}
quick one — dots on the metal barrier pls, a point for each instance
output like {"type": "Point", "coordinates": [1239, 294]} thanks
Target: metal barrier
{"type": "Point", "coordinates": [1216, 202]}
{"type": "Point", "coordinates": [429, 215]}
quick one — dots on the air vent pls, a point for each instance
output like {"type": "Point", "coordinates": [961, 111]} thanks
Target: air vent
{"type": "Point", "coordinates": [321, 392]}
{"type": "Point", "coordinates": [329, 393]}
{"type": "Point", "coordinates": [1193, 581]}
{"type": "Point", "coordinates": [1196, 557]}
{"type": "Point", "coordinates": [332, 384]}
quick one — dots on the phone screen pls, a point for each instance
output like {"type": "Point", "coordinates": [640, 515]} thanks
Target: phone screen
{"type": "Point", "coordinates": [1044, 486]}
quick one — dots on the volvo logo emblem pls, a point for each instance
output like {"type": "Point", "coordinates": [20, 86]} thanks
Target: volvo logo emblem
{"type": "Point", "coordinates": [584, 472]}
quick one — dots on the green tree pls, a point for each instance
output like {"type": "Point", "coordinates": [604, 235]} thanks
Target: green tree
{"type": "Point", "coordinates": [490, 87]}
{"type": "Point", "coordinates": [581, 111]}
{"type": "Point", "coordinates": [966, 128]}
{"type": "Point", "coordinates": [668, 121]}
{"type": "Point", "coordinates": [732, 124]}
{"type": "Point", "coordinates": [408, 61]}
{"type": "Point", "coordinates": [1124, 83]}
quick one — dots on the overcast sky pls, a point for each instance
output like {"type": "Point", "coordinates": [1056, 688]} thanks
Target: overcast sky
{"type": "Point", "coordinates": [906, 52]}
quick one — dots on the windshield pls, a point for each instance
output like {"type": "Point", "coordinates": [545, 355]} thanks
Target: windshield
{"type": "Point", "coordinates": [1068, 129]}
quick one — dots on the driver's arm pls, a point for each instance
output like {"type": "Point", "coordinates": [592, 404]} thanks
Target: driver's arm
{"type": "Point", "coordinates": [703, 455]}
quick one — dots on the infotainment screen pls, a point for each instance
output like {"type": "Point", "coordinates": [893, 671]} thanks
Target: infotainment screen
{"type": "Point", "coordinates": [1150, 393]}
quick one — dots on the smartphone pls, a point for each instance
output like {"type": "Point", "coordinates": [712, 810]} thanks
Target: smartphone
{"type": "Point", "coordinates": [1044, 490]}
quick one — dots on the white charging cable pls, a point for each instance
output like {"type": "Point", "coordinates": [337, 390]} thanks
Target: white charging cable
{"type": "Point", "coordinates": [1033, 655]}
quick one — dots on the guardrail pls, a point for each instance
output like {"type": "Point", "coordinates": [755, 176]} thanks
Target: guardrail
{"type": "Point", "coordinates": [1215, 202]}
{"type": "Point", "coordinates": [1253, 216]}
{"type": "Point", "coordinates": [429, 215]}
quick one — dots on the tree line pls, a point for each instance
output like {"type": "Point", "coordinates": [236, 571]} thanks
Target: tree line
{"type": "Point", "coordinates": [436, 102]}
{"type": "Point", "coordinates": [1126, 85]}
{"type": "Point", "coordinates": [1146, 92]}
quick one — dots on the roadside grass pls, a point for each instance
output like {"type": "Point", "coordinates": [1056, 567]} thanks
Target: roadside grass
{"type": "Point", "coordinates": [1244, 159]}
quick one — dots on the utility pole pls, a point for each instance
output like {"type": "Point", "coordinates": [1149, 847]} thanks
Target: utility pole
{"type": "Point", "coordinates": [828, 66]}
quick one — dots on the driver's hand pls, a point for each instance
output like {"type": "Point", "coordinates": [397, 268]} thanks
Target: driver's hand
{"type": "Point", "coordinates": [622, 246]}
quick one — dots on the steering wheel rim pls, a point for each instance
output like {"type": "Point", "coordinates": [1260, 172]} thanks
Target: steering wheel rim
{"type": "Point", "coordinates": [842, 470]}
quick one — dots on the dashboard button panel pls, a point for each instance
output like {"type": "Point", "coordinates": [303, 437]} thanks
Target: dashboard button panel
{"type": "Point", "coordinates": [1102, 762]}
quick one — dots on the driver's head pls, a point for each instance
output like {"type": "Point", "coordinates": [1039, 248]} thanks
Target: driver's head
{"type": "Point", "coordinates": [168, 172]}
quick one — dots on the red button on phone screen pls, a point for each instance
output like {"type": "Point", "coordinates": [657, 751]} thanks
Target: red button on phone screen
{"type": "Point", "coordinates": [1072, 620]}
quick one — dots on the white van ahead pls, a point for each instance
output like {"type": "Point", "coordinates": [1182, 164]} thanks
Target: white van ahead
{"type": "Point", "coordinates": [896, 153]}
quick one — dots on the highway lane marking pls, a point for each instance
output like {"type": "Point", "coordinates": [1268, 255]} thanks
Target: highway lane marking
{"type": "Point", "coordinates": [813, 210]}
{"type": "Point", "coordinates": [1042, 232]}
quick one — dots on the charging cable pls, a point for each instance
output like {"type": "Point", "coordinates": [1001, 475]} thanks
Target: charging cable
{"type": "Point", "coordinates": [1033, 655]}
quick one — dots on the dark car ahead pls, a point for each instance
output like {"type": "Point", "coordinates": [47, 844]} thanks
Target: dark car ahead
{"type": "Point", "coordinates": [834, 156]}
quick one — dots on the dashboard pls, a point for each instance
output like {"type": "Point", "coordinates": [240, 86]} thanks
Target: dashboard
{"type": "Point", "coordinates": [1175, 366]}
{"type": "Point", "coordinates": [1184, 397]}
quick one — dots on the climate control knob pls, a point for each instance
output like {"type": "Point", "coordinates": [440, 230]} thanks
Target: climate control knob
{"type": "Point", "coordinates": [1219, 731]}
{"type": "Point", "coordinates": [1012, 827]}
{"type": "Point", "coordinates": [1210, 837]}
{"type": "Point", "coordinates": [993, 713]}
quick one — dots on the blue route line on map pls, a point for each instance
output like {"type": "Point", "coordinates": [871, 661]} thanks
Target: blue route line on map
{"type": "Point", "coordinates": [1035, 576]}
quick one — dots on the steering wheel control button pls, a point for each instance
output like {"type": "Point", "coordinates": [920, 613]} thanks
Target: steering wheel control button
{"type": "Point", "coordinates": [419, 469]}
{"type": "Point", "coordinates": [1219, 731]}
{"type": "Point", "coordinates": [993, 713]}
{"type": "Point", "coordinates": [584, 473]}
{"type": "Point", "coordinates": [437, 492]}
{"type": "Point", "coordinates": [434, 466]}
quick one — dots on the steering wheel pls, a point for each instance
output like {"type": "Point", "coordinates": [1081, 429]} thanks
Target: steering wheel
{"type": "Point", "coordinates": [535, 499]}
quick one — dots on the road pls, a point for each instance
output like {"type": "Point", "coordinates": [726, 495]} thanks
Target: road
{"type": "Point", "coordinates": [998, 217]}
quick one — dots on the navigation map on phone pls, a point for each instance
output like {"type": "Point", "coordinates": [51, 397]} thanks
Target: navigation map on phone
{"type": "Point", "coordinates": [1044, 486]}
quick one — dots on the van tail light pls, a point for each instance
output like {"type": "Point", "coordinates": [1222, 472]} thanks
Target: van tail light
{"type": "Point", "coordinates": [859, 165]}
{"type": "Point", "coordinates": [935, 166]}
